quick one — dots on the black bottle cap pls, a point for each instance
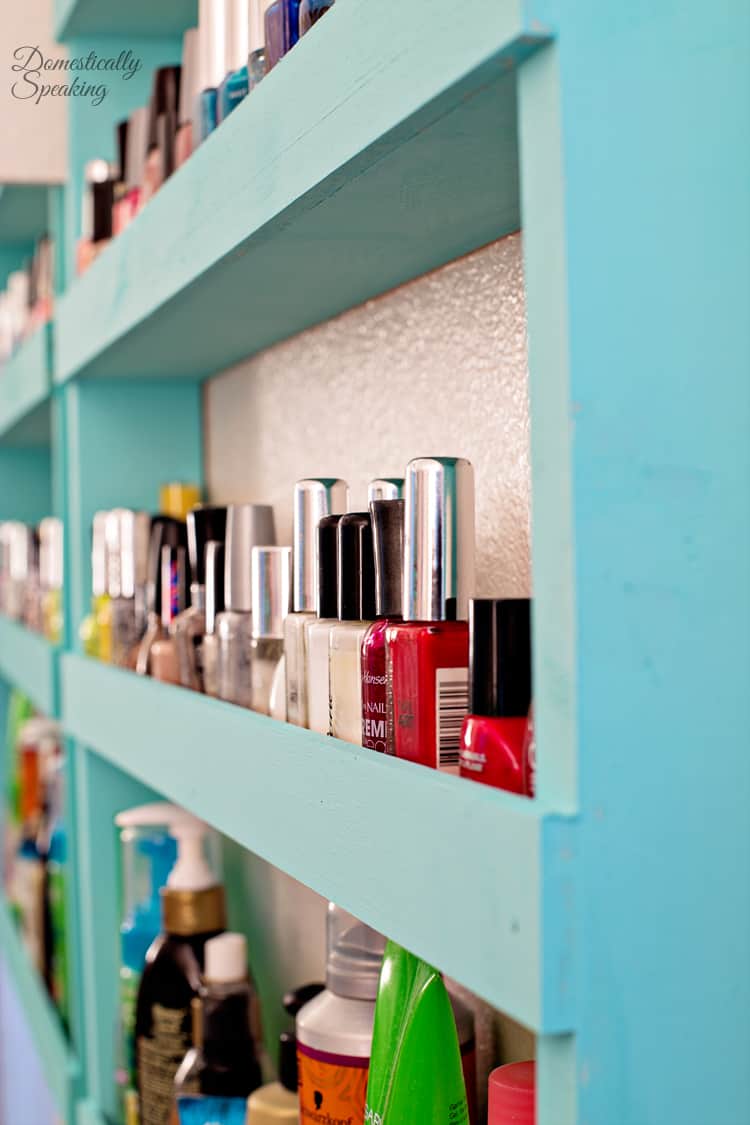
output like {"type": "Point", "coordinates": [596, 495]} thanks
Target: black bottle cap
{"type": "Point", "coordinates": [102, 198]}
{"type": "Point", "coordinates": [163, 111]}
{"type": "Point", "coordinates": [203, 525]}
{"type": "Point", "coordinates": [388, 544]}
{"type": "Point", "coordinates": [288, 1061]}
{"type": "Point", "coordinates": [175, 580]}
{"type": "Point", "coordinates": [165, 532]}
{"type": "Point", "coordinates": [122, 149]}
{"type": "Point", "coordinates": [500, 656]}
{"type": "Point", "coordinates": [356, 568]}
{"type": "Point", "coordinates": [328, 578]}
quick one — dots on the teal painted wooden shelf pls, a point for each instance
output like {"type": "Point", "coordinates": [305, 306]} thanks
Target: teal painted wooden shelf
{"type": "Point", "coordinates": [60, 1064]}
{"type": "Point", "coordinates": [76, 19]}
{"type": "Point", "coordinates": [393, 843]}
{"type": "Point", "coordinates": [28, 661]}
{"type": "Point", "coordinates": [23, 212]}
{"type": "Point", "coordinates": [388, 166]}
{"type": "Point", "coordinates": [25, 387]}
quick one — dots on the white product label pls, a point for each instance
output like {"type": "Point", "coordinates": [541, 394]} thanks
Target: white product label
{"type": "Point", "coordinates": [451, 708]}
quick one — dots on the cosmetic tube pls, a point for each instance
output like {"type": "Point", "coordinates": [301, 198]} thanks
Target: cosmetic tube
{"type": "Point", "coordinates": [271, 594]}
{"type": "Point", "coordinates": [313, 499]}
{"type": "Point", "coordinates": [427, 655]}
{"type": "Point", "coordinates": [356, 610]}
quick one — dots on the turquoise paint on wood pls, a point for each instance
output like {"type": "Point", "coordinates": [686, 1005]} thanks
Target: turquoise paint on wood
{"type": "Point", "coordinates": [29, 661]}
{"type": "Point", "coordinates": [26, 487]}
{"type": "Point", "coordinates": [13, 256]}
{"type": "Point", "coordinates": [25, 388]}
{"type": "Point", "coordinates": [23, 212]}
{"type": "Point", "coordinates": [138, 18]}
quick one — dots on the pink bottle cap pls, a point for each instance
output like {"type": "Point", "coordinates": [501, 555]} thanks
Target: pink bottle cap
{"type": "Point", "coordinates": [513, 1094]}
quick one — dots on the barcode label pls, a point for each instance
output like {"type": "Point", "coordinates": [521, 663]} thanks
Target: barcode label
{"type": "Point", "coordinates": [451, 708]}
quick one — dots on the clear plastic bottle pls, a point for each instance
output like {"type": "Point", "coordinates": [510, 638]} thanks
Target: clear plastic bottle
{"type": "Point", "coordinates": [356, 610]}
{"type": "Point", "coordinates": [318, 630]}
{"type": "Point", "coordinates": [189, 627]}
{"type": "Point", "coordinates": [214, 606]}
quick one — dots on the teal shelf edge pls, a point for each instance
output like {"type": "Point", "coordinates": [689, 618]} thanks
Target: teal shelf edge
{"type": "Point", "coordinates": [393, 163]}
{"type": "Point", "coordinates": [138, 18]}
{"type": "Point", "coordinates": [391, 842]}
{"type": "Point", "coordinates": [29, 662]}
{"type": "Point", "coordinates": [60, 1065]}
{"type": "Point", "coordinates": [25, 392]}
{"type": "Point", "coordinates": [88, 1113]}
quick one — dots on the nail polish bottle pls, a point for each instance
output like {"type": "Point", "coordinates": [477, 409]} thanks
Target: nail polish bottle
{"type": "Point", "coordinates": [256, 59]}
{"type": "Point", "coordinates": [282, 29]}
{"type": "Point", "coordinates": [165, 532]}
{"type": "Point", "coordinates": [160, 161]}
{"type": "Point", "coordinates": [272, 590]}
{"type": "Point", "coordinates": [310, 12]}
{"type": "Point", "coordinates": [214, 606]}
{"type": "Point", "coordinates": [174, 586]}
{"type": "Point", "coordinates": [234, 87]}
{"type": "Point", "coordinates": [493, 732]}
{"type": "Point", "coordinates": [32, 595]}
{"type": "Point", "coordinates": [388, 542]}
{"type": "Point", "coordinates": [96, 222]}
{"type": "Point", "coordinates": [120, 210]}
{"type": "Point", "coordinates": [317, 630]}
{"type": "Point", "coordinates": [427, 655]}
{"type": "Point", "coordinates": [356, 610]}
{"type": "Point", "coordinates": [248, 526]}
{"type": "Point", "coordinates": [51, 577]}
{"type": "Point", "coordinates": [313, 499]}
{"type": "Point", "coordinates": [203, 524]}
{"type": "Point", "coordinates": [212, 32]}
{"type": "Point", "coordinates": [189, 90]}
{"type": "Point", "coordinates": [135, 163]}
{"type": "Point", "coordinates": [528, 757]}
{"type": "Point", "coordinates": [95, 629]}
{"type": "Point", "coordinates": [127, 535]}
{"type": "Point", "coordinates": [385, 488]}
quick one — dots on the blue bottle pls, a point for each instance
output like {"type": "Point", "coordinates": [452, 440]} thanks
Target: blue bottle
{"type": "Point", "coordinates": [235, 86]}
{"type": "Point", "coordinates": [310, 12]}
{"type": "Point", "coordinates": [282, 29]}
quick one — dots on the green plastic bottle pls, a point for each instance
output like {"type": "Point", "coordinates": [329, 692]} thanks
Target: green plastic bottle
{"type": "Point", "coordinates": [415, 1066]}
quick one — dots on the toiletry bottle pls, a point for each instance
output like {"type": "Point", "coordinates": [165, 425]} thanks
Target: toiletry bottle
{"type": "Point", "coordinates": [166, 531]}
{"type": "Point", "coordinates": [203, 524]}
{"type": "Point", "coordinates": [214, 606]}
{"type": "Point", "coordinates": [52, 845]}
{"type": "Point", "coordinates": [317, 630]}
{"type": "Point", "coordinates": [174, 584]}
{"type": "Point", "coordinates": [512, 1094]}
{"type": "Point", "coordinates": [271, 594]}
{"type": "Point", "coordinates": [313, 499]}
{"type": "Point", "coordinates": [177, 498]}
{"type": "Point", "coordinates": [385, 488]}
{"type": "Point", "coordinates": [189, 90]}
{"type": "Point", "coordinates": [212, 34]}
{"type": "Point", "coordinates": [310, 12]}
{"type": "Point", "coordinates": [277, 1103]}
{"type": "Point", "coordinates": [127, 534]}
{"type": "Point", "coordinates": [193, 911]}
{"type": "Point", "coordinates": [96, 220]}
{"type": "Point", "coordinates": [494, 731]}
{"type": "Point", "coordinates": [248, 526]}
{"type": "Point", "coordinates": [32, 594]}
{"type": "Point", "coordinates": [20, 551]}
{"type": "Point", "coordinates": [162, 128]}
{"type": "Point", "coordinates": [120, 216]}
{"type": "Point", "coordinates": [138, 126]}
{"type": "Point", "coordinates": [226, 1064]}
{"type": "Point", "coordinates": [356, 611]}
{"type": "Point", "coordinates": [334, 1031]}
{"type": "Point", "coordinates": [234, 87]}
{"type": "Point", "coordinates": [27, 889]}
{"type": "Point", "coordinates": [256, 60]}
{"type": "Point", "coordinates": [51, 577]}
{"type": "Point", "coordinates": [415, 1070]}
{"type": "Point", "coordinates": [20, 710]}
{"type": "Point", "coordinates": [282, 29]}
{"type": "Point", "coordinates": [427, 656]}
{"type": "Point", "coordinates": [388, 544]}
{"type": "Point", "coordinates": [147, 855]}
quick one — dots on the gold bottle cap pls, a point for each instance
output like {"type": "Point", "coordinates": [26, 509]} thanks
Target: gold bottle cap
{"type": "Point", "coordinates": [176, 499]}
{"type": "Point", "coordinates": [193, 912]}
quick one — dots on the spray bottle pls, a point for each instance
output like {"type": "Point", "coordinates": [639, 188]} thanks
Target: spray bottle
{"type": "Point", "coordinates": [193, 911]}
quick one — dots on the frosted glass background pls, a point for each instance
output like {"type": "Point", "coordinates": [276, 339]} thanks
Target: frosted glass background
{"type": "Point", "coordinates": [437, 367]}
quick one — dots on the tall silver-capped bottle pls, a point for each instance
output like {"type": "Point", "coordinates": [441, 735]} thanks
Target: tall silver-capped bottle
{"type": "Point", "coordinates": [272, 589]}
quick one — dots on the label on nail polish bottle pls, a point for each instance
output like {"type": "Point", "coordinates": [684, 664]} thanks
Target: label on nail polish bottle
{"type": "Point", "coordinates": [451, 705]}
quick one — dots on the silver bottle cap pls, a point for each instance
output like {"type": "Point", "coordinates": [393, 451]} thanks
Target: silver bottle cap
{"type": "Point", "coordinates": [355, 956]}
{"type": "Point", "coordinates": [127, 536]}
{"type": "Point", "coordinates": [214, 583]}
{"type": "Point", "coordinates": [438, 539]}
{"type": "Point", "coordinates": [51, 553]}
{"type": "Point", "coordinates": [313, 499]}
{"type": "Point", "coordinates": [385, 488]}
{"type": "Point", "coordinates": [99, 555]}
{"type": "Point", "coordinates": [248, 526]}
{"type": "Point", "coordinates": [272, 589]}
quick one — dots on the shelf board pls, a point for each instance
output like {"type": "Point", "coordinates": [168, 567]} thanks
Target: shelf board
{"type": "Point", "coordinates": [29, 662]}
{"type": "Point", "coordinates": [75, 19]}
{"type": "Point", "coordinates": [400, 155]}
{"type": "Point", "coordinates": [390, 841]}
{"type": "Point", "coordinates": [25, 390]}
{"type": "Point", "coordinates": [23, 212]}
{"type": "Point", "coordinates": [58, 1061]}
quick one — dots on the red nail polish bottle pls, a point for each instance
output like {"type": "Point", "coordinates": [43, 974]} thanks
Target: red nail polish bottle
{"type": "Point", "coordinates": [427, 656]}
{"type": "Point", "coordinates": [494, 732]}
{"type": "Point", "coordinates": [388, 543]}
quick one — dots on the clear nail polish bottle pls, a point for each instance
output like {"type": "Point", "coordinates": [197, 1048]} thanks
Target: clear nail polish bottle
{"type": "Point", "coordinates": [203, 524]}
{"type": "Point", "coordinates": [388, 542]}
{"type": "Point", "coordinates": [318, 629]}
{"type": "Point", "coordinates": [32, 594]}
{"type": "Point", "coordinates": [310, 11]}
{"type": "Point", "coordinates": [51, 577]}
{"type": "Point", "coordinates": [127, 535]}
{"type": "Point", "coordinates": [93, 630]}
{"type": "Point", "coordinates": [356, 611]}
{"type": "Point", "coordinates": [166, 531]}
{"type": "Point", "coordinates": [272, 589]}
{"type": "Point", "coordinates": [214, 606]}
{"type": "Point", "coordinates": [385, 488]}
{"type": "Point", "coordinates": [256, 60]}
{"type": "Point", "coordinates": [248, 526]}
{"type": "Point", "coordinates": [234, 88]}
{"type": "Point", "coordinates": [174, 586]}
{"type": "Point", "coordinates": [313, 499]}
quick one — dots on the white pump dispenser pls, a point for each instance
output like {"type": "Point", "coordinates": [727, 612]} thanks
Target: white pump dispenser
{"type": "Point", "coordinates": [191, 872]}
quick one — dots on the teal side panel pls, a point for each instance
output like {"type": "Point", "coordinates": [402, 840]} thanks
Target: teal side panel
{"type": "Point", "coordinates": [13, 256]}
{"type": "Point", "coordinates": [26, 489]}
{"type": "Point", "coordinates": [655, 110]}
